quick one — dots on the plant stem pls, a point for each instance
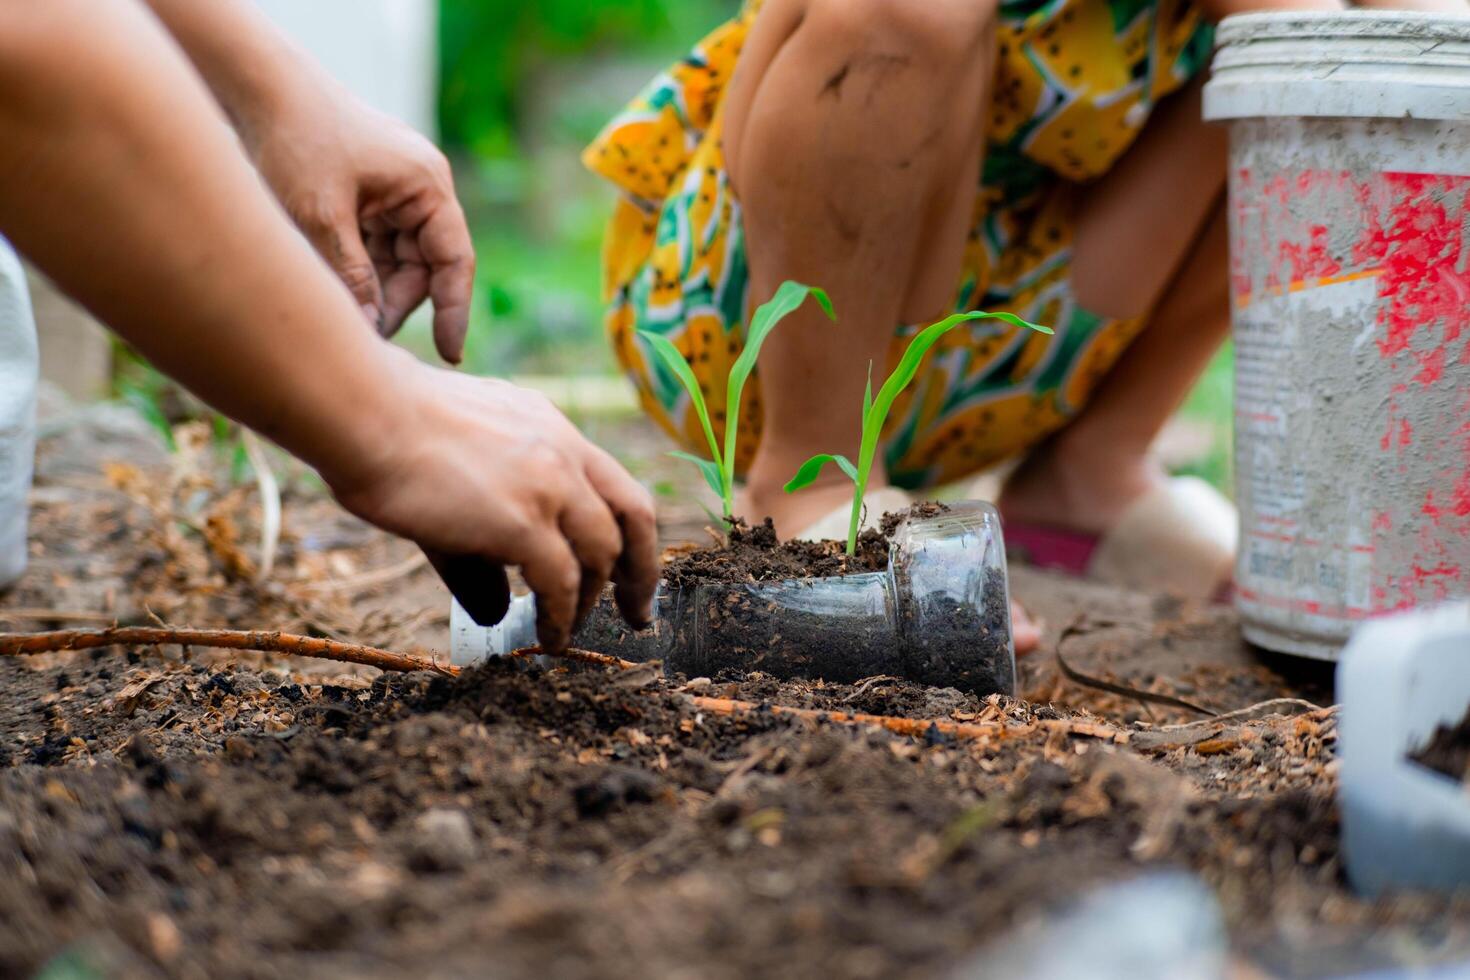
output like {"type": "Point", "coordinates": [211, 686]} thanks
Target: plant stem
{"type": "Point", "coordinates": [859, 489]}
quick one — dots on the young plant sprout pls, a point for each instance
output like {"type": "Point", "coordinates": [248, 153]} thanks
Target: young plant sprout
{"type": "Point", "coordinates": [875, 414]}
{"type": "Point", "coordinates": [719, 469]}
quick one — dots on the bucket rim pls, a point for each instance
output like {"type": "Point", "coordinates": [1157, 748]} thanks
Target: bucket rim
{"type": "Point", "coordinates": [1351, 25]}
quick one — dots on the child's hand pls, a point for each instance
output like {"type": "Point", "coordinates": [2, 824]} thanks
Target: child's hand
{"type": "Point", "coordinates": [481, 467]}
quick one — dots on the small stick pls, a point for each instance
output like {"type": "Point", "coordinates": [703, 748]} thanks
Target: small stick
{"type": "Point", "coordinates": [27, 644]}
{"type": "Point", "coordinates": [1142, 697]}
{"type": "Point", "coordinates": [580, 656]}
{"type": "Point", "coordinates": [899, 726]}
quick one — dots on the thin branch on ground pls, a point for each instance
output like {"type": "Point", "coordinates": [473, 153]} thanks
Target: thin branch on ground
{"type": "Point", "coordinates": [579, 656]}
{"type": "Point", "coordinates": [912, 727]}
{"type": "Point", "coordinates": [1143, 697]}
{"type": "Point", "coordinates": [29, 644]}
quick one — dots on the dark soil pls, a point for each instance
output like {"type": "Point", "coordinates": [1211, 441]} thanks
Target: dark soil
{"type": "Point", "coordinates": [172, 819]}
{"type": "Point", "coordinates": [754, 554]}
{"type": "Point", "coordinates": [1448, 751]}
{"type": "Point", "coordinates": [210, 815]}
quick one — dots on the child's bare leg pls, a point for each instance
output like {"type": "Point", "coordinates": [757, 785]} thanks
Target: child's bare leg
{"type": "Point", "coordinates": [853, 134]}
{"type": "Point", "coordinates": [1151, 235]}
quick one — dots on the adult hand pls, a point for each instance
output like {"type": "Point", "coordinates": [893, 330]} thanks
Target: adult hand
{"type": "Point", "coordinates": [375, 198]}
{"type": "Point", "coordinates": [377, 201]}
{"type": "Point", "coordinates": [478, 467]}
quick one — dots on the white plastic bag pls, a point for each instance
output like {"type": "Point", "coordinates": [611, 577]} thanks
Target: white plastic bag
{"type": "Point", "coordinates": [19, 368]}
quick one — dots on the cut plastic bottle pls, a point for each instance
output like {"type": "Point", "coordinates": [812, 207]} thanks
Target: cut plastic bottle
{"type": "Point", "coordinates": [939, 615]}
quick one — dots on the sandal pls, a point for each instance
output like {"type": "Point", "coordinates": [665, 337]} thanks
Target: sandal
{"type": "Point", "coordinates": [1181, 539]}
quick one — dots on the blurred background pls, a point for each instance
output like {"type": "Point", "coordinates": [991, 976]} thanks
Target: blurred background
{"type": "Point", "coordinates": [513, 91]}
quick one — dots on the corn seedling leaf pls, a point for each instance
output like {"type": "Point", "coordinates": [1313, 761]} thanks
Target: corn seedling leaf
{"type": "Point", "coordinates": [813, 467]}
{"type": "Point", "coordinates": [676, 363]}
{"type": "Point", "coordinates": [789, 297]}
{"type": "Point", "coordinates": [708, 467]}
{"type": "Point", "coordinates": [908, 366]}
{"type": "Point", "coordinates": [868, 392]}
{"type": "Point", "coordinates": [875, 410]}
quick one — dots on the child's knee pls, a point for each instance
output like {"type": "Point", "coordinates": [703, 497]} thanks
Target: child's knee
{"type": "Point", "coordinates": [894, 35]}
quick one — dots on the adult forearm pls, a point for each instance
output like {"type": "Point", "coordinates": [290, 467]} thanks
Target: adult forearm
{"type": "Point", "coordinates": [252, 68]}
{"type": "Point", "coordinates": [120, 179]}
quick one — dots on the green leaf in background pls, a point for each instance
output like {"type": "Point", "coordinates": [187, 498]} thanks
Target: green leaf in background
{"type": "Point", "coordinates": [146, 405]}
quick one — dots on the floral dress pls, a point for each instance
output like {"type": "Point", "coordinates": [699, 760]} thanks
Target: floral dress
{"type": "Point", "coordinates": [1076, 80]}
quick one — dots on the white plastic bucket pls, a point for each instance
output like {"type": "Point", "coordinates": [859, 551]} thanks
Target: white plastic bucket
{"type": "Point", "coordinates": [18, 370]}
{"type": "Point", "coordinates": [1350, 273]}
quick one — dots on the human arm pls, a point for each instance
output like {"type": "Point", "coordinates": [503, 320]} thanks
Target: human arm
{"type": "Point", "coordinates": [120, 179]}
{"type": "Point", "coordinates": [375, 198]}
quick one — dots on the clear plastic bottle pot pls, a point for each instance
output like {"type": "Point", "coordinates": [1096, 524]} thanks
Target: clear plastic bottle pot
{"type": "Point", "coordinates": [939, 615]}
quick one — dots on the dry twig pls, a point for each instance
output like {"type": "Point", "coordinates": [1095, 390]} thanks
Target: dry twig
{"type": "Point", "coordinates": [1143, 697]}
{"type": "Point", "coordinates": [28, 644]}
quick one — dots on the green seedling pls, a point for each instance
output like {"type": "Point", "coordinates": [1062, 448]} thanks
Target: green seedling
{"type": "Point", "coordinates": [719, 469]}
{"type": "Point", "coordinates": [875, 414]}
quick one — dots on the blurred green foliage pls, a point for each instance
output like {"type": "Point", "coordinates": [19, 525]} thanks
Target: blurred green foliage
{"type": "Point", "coordinates": [523, 87]}
{"type": "Point", "coordinates": [488, 48]}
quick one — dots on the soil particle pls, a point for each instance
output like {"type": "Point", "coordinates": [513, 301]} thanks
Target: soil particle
{"type": "Point", "coordinates": [1448, 750]}
{"type": "Point", "coordinates": [446, 841]}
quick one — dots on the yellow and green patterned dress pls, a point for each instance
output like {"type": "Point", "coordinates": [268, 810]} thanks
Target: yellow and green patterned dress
{"type": "Point", "coordinates": [1075, 82]}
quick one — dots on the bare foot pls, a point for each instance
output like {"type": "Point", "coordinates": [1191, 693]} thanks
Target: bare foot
{"type": "Point", "coordinates": [1024, 631]}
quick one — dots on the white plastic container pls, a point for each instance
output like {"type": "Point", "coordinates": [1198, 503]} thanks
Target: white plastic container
{"type": "Point", "coordinates": [1350, 272]}
{"type": "Point", "coordinates": [1405, 826]}
{"type": "Point", "coordinates": [1166, 925]}
{"type": "Point", "coordinates": [939, 615]}
{"type": "Point", "coordinates": [19, 366]}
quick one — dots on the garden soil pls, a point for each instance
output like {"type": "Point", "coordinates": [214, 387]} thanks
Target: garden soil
{"type": "Point", "coordinates": [187, 813]}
